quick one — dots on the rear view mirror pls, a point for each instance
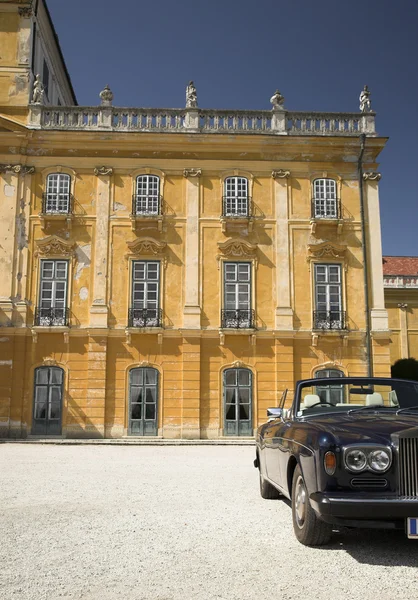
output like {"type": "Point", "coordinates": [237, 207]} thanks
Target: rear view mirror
{"type": "Point", "coordinates": [274, 413]}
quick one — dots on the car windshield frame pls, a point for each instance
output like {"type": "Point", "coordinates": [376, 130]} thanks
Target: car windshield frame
{"type": "Point", "coordinates": [368, 384]}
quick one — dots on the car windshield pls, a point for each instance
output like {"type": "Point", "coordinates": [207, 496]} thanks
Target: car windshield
{"type": "Point", "coordinates": [357, 396]}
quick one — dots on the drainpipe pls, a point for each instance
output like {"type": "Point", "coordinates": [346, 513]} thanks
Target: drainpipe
{"type": "Point", "coordinates": [369, 358]}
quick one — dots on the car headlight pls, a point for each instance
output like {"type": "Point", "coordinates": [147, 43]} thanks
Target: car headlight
{"type": "Point", "coordinates": [356, 460]}
{"type": "Point", "coordinates": [373, 458]}
{"type": "Point", "coordinates": [379, 460]}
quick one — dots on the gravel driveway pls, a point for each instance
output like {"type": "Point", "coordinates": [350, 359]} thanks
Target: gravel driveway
{"type": "Point", "coordinates": [171, 523]}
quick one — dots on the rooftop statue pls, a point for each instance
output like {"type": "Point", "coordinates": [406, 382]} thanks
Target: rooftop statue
{"type": "Point", "coordinates": [191, 96]}
{"type": "Point", "coordinates": [277, 99]}
{"type": "Point", "coordinates": [106, 96]}
{"type": "Point", "coordinates": [38, 91]}
{"type": "Point", "coordinates": [365, 103]}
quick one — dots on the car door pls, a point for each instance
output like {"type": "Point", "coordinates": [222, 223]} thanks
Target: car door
{"type": "Point", "coordinates": [273, 437]}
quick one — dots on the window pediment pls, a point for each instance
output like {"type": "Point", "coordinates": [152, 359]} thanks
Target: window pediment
{"type": "Point", "coordinates": [147, 246]}
{"type": "Point", "coordinates": [238, 248]}
{"type": "Point", "coordinates": [326, 249]}
{"type": "Point", "coordinates": [53, 245]}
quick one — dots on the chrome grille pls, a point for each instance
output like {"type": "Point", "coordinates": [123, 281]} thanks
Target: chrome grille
{"type": "Point", "coordinates": [368, 482]}
{"type": "Point", "coordinates": [408, 467]}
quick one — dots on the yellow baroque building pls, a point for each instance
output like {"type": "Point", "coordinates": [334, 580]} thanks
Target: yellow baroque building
{"type": "Point", "coordinates": [171, 272]}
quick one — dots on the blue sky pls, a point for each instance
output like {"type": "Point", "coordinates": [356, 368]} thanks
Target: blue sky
{"type": "Point", "coordinates": [318, 53]}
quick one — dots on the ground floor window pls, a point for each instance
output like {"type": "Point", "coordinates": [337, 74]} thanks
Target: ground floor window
{"type": "Point", "coordinates": [143, 401]}
{"type": "Point", "coordinates": [47, 404]}
{"type": "Point", "coordinates": [332, 394]}
{"type": "Point", "coordinates": [238, 402]}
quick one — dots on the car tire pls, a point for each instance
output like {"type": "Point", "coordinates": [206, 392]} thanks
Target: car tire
{"type": "Point", "coordinates": [267, 491]}
{"type": "Point", "coordinates": [308, 527]}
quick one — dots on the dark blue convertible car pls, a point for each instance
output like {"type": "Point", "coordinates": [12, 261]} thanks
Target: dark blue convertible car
{"type": "Point", "coordinates": [345, 453]}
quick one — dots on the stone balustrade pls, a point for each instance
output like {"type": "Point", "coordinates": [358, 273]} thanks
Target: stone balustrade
{"type": "Point", "coordinates": [400, 281]}
{"type": "Point", "coordinates": [193, 120]}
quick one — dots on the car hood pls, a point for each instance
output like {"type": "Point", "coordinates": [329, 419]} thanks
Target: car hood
{"type": "Point", "coordinates": [375, 428]}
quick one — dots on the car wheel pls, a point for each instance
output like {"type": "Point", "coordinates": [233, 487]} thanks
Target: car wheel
{"type": "Point", "coordinates": [267, 491]}
{"type": "Point", "coordinates": [308, 528]}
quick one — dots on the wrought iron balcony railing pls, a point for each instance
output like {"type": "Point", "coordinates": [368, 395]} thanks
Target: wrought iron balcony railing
{"type": "Point", "coordinates": [57, 204]}
{"type": "Point", "coordinates": [236, 207]}
{"type": "Point", "coordinates": [52, 316]}
{"type": "Point", "coordinates": [326, 209]}
{"type": "Point", "coordinates": [329, 319]}
{"type": "Point", "coordinates": [145, 317]}
{"type": "Point", "coordinates": [147, 205]}
{"type": "Point", "coordinates": [238, 319]}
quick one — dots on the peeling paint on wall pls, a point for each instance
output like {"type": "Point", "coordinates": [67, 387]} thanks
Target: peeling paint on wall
{"type": "Point", "coordinates": [7, 363]}
{"type": "Point", "coordinates": [4, 339]}
{"type": "Point", "coordinates": [118, 206]}
{"type": "Point", "coordinates": [83, 293]}
{"type": "Point", "coordinates": [83, 254]}
{"type": "Point", "coordinates": [9, 190]}
{"type": "Point", "coordinates": [22, 240]}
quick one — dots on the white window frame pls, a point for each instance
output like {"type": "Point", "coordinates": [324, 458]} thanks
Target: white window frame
{"type": "Point", "coordinates": [144, 286]}
{"type": "Point", "coordinates": [328, 296]}
{"type": "Point", "coordinates": [53, 291]}
{"type": "Point", "coordinates": [147, 195]}
{"type": "Point", "coordinates": [325, 199]}
{"type": "Point", "coordinates": [236, 199]}
{"type": "Point", "coordinates": [58, 193]}
{"type": "Point", "coordinates": [237, 293]}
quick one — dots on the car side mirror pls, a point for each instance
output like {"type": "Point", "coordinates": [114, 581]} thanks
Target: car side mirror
{"type": "Point", "coordinates": [274, 413]}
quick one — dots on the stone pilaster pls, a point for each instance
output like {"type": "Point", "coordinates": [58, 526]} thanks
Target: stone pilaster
{"type": "Point", "coordinates": [284, 312]}
{"type": "Point", "coordinates": [379, 315]}
{"type": "Point", "coordinates": [191, 311]}
{"type": "Point", "coordinates": [99, 307]}
{"type": "Point", "coordinates": [190, 411]}
{"type": "Point", "coordinates": [403, 323]}
{"type": "Point", "coordinates": [10, 194]}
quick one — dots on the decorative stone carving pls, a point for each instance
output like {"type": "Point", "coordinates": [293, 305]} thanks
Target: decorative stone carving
{"type": "Point", "coordinates": [326, 249]}
{"type": "Point", "coordinates": [365, 103]}
{"type": "Point", "coordinates": [10, 169]}
{"type": "Point", "coordinates": [372, 176]}
{"type": "Point", "coordinates": [192, 172]}
{"type": "Point", "coordinates": [106, 96]}
{"type": "Point", "coordinates": [191, 96]}
{"type": "Point", "coordinates": [280, 174]}
{"type": "Point", "coordinates": [147, 246]}
{"type": "Point", "coordinates": [103, 170]}
{"type": "Point", "coordinates": [238, 364]}
{"type": "Point", "coordinates": [38, 91]}
{"type": "Point", "coordinates": [25, 11]}
{"type": "Point", "coordinates": [54, 246]}
{"type": "Point", "coordinates": [238, 248]}
{"type": "Point", "coordinates": [17, 169]}
{"type": "Point", "coordinates": [50, 362]}
{"type": "Point", "coordinates": [277, 100]}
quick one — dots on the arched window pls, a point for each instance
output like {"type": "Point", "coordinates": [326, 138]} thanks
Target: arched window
{"type": "Point", "coordinates": [143, 401]}
{"type": "Point", "coordinates": [334, 393]}
{"type": "Point", "coordinates": [47, 403]}
{"type": "Point", "coordinates": [238, 392]}
{"type": "Point", "coordinates": [57, 198]}
{"type": "Point", "coordinates": [325, 203]}
{"type": "Point", "coordinates": [236, 201]}
{"type": "Point", "coordinates": [147, 200]}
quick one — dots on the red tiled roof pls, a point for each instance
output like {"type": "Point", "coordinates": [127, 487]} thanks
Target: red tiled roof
{"type": "Point", "coordinates": [400, 265]}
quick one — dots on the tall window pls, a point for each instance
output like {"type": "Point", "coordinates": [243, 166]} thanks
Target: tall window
{"type": "Point", "coordinates": [236, 200]}
{"type": "Point", "coordinates": [57, 196]}
{"type": "Point", "coordinates": [143, 400]}
{"type": "Point", "coordinates": [325, 204]}
{"type": "Point", "coordinates": [47, 403]}
{"type": "Point", "coordinates": [237, 311]}
{"type": "Point", "coordinates": [328, 297]}
{"type": "Point", "coordinates": [238, 402]}
{"type": "Point", "coordinates": [145, 311]}
{"type": "Point", "coordinates": [147, 195]}
{"type": "Point", "coordinates": [332, 394]}
{"type": "Point", "coordinates": [52, 309]}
